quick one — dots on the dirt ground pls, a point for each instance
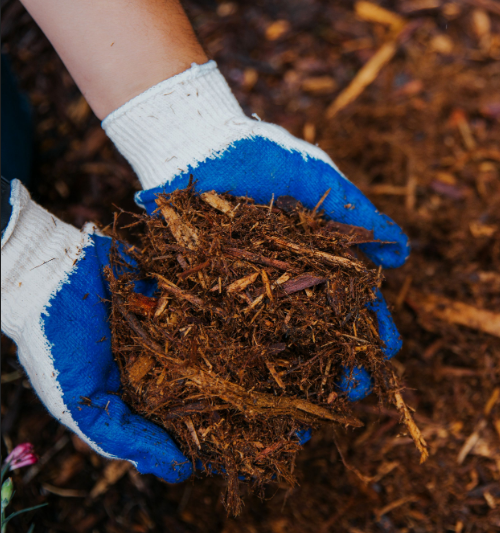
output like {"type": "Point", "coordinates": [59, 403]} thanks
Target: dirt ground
{"type": "Point", "coordinates": [423, 142]}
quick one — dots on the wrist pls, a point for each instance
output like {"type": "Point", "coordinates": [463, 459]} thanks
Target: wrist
{"type": "Point", "coordinates": [167, 129]}
{"type": "Point", "coordinates": [171, 130]}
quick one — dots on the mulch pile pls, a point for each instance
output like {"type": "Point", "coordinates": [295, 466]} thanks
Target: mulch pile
{"type": "Point", "coordinates": [422, 141]}
{"type": "Point", "coordinates": [259, 311]}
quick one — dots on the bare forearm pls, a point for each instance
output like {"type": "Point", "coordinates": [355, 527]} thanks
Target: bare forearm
{"type": "Point", "coordinates": [116, 49]}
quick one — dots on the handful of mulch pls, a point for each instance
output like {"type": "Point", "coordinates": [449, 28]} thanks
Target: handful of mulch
{"type": "Point", "coordinates": [260, 310]}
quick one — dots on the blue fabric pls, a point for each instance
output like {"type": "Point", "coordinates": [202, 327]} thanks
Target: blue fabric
{"type": "Point", "coordinates": [358, 383]}
{"type": "Point", "coordinates": [259, 168]}
{"type": "Point", "coordinates": [78, 330]}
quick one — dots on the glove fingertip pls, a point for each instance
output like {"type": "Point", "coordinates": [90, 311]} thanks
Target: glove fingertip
{"type": "Point", "coordinates": [356, 383]}
{"type": "Point", "coordinates": [304, 435]}
{"type": "Point", "coordinates": [388, 331]}
{"type": "Point", "coordinates": [391, 255]}
{"type": "Point", "coordinates": [174, 470]}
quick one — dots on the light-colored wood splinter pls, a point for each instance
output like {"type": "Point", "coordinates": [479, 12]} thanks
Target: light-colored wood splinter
{"type": "Point", "coordinates": [275, 374]}
{"type": "Point", "coordinates": [255, 303]}
{"type": "Point", "coordinates": [242, 283]}
{"type": "Point", "coordinates": [190, 426]}
{"type": "Point", "coordinates": [185, 234]}
{"type": "Point", "coordinates": [162, 304]}
{"type": "Point", "coordinates": [176, 291]}
{"type": "Point", "coordinates": [267, 284]}
{"type": "Point", "coordinates": [408, 421]}
{"type": "Point", "coordinates": [214, 200]}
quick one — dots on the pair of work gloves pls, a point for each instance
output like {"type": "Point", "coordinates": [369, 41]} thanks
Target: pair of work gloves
{"type": "Point", "coordinates": [55, 299]}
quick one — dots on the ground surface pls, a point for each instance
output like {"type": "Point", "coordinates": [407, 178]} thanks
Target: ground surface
{"type": "Point", "coordinates": [423, 141]}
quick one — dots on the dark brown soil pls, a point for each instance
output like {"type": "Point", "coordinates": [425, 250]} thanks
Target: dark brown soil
{"type": "Point", "coordinates": [403, 141]}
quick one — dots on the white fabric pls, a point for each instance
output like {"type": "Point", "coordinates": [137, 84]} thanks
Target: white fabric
{"type": "Point", "coordinates": [185, 120]}
{"type": "Point", "coordinates": [38, 255]}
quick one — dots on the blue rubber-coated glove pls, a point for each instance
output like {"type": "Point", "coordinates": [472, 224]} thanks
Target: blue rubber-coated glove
{"type": "Point", "coordinates": [56, 306]}
{"type": "Point", "coordinates": [191, 124]}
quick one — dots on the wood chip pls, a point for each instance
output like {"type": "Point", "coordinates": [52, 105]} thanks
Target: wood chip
{"type": "Point", "coordinates": [471, 441]}
{"type": "Point", "coordinates": [183, 232]}
{"type": "Point", "coordinates": [113, 471]}
{"type": "Point", "coordinates": [180, 293]}
{"type": "Point", "coordinates": [304, 281]}
{"type": "Point", "coordinates": [214, 200]}
{"type": "Point", "coordinates": [495, 395]}
{"type": "Point", "coordinates": [321, 200]}
{"type": "Point", "coordinates": [251, 402]}
{"type": "Point", "coordinates": [254, 304]}
{"type": "Point", "coordinates": [162, 305]}
{"type": "Point", "coordinates": [455, 312]}
{"type": "Point", "coordinates": [394, 505]}
{"type": "Point", "coordinates": [242, 283]}
{"type": "Point", "coordinates": [373, 13]}
{"type": "Point", "coordinates": [140, 368]}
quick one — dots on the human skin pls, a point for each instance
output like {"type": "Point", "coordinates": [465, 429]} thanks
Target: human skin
{"type": "Point", "coordinates": [116, 49]}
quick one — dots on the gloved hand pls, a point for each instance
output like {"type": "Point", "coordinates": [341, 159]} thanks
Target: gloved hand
{"type": "Point", "coordinates": [54, 307]}
{"type": "Point", "coordinates": [192, 124]}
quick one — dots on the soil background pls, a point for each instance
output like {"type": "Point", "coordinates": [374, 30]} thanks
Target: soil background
{"type": "Point", "coordinates": [423, 142]}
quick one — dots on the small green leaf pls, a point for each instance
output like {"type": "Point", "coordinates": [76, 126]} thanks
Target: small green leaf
{"type": "Point", "coordinates": [7, 491]}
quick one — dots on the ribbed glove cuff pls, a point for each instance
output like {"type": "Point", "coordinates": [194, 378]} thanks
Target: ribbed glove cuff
{"type": "Point", "coordinates": [38, 252]}
{"type": "Point", "coordinates": [169, 128]}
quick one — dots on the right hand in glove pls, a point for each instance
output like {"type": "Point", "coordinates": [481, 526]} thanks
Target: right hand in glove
{"type": "Point", "coordinates": [192, 124]}
{"type": "Point", "coordinates": [55, 306]}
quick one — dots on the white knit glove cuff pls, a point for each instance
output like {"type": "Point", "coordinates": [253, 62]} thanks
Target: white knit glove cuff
{"type": "Point", "coordinates": [38, 253]}
{"type": "Point", "coordinates": [175, 124]}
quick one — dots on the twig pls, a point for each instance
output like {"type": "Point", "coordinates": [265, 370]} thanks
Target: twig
{"type": "Point", "coordinates": [193, 270]}
{"type": "Point", "coordinates": [368, 72]}
{"type": "Point", "coordinates": [321, 200]}
{"type": "Point", "coordinates": [256, 258]}
{"type": "Point", "coordinates": [185, 295]}
{"type": "Point", "coordinates": [417, 437]}
{"type": "Point", "coordinates": [267, 285]}
{"type": "Point", "coordinates": [136, 327]}
{"type": "Point", "coordinates": [321, 256]}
